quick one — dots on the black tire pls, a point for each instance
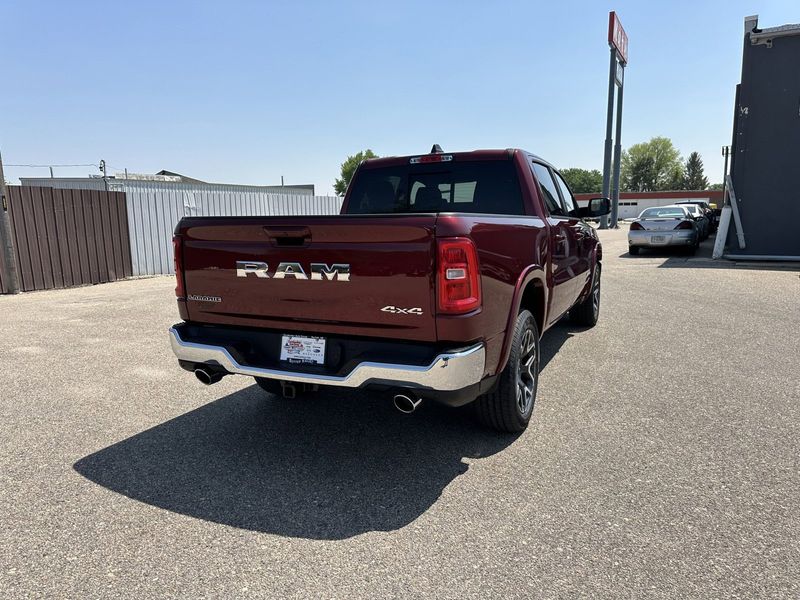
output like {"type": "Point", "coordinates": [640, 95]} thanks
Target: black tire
{"type": "Point", "coordinates": [633, 250]}
{"type": "Point", "coordinates": [587, 312]}
{"type": "Point", "coordinates": [509, 406]}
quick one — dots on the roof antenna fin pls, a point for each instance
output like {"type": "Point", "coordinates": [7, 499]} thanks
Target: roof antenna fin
{"type": "Point", "coordinates": [437, 149]}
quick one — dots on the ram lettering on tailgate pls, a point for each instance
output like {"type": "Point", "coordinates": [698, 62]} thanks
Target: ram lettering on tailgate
{"type": "Point", "coordinates": [319, 271]}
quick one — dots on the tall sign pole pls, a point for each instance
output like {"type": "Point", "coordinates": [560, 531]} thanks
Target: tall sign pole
{"type": "Point", "coordinates": [618, 45]}
{"type": "Point", "coordinates": [609, 126]}
{"type": "Point", "coordinates": [6, 243]}
{"type": "Point", "coordinates": [620, 78]}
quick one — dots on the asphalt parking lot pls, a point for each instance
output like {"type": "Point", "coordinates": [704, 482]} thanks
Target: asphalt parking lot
{"type": "Point", "coordinates": [662, 460]}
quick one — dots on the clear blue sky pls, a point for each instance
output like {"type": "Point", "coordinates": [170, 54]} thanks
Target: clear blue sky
{"type": "Point", "coordinates": [245, 92]}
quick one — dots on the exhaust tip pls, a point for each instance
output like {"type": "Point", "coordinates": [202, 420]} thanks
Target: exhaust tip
{"type": "Point", "coordinates": [406, 404]}
{"type": "Point", "coordinates": [207, 377]}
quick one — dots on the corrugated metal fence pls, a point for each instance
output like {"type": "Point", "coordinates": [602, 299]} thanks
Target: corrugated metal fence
{"type": "Point", "coordinates": [65, 238]}
{"type": "Point", "coordinates": [153, 213]}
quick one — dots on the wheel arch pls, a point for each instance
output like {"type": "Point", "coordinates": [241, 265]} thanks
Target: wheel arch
{"type": "Point", "coordinates": [530, 293]}
{"type": "Point", "coordinates": [595, 262]}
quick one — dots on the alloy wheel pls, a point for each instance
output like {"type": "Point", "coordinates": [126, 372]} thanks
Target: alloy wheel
{"type": "Point", "coordinates": [596, 292]}
{"type": "Point", "coordinates": [526, 373]}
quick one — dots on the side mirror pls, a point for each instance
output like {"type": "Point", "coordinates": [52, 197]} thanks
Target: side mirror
{"type": "Point", "coordinates": [597, 208]}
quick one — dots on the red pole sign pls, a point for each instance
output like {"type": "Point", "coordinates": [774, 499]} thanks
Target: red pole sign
{"type": "Point", "coordinates": [617, 38]}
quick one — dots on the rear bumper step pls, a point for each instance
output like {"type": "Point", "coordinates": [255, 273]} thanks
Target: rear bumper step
{"type": "Point", "coordinates": [449, 371]}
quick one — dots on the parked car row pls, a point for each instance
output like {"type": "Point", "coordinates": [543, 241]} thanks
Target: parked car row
{"type": "Point", "coordinates": [708, 210]}
{"type": "Point", "coordinates": [683, 225]}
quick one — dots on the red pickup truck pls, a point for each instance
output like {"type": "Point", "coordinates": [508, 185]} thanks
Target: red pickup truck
{"type": "Point", "coordinates": [436, 281]}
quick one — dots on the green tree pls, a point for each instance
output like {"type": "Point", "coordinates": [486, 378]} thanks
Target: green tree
{"type": "Point", "coordinates": [651, 166]}
{"type": "Point", "coordinates": [582, 181]}
{"type": "Point", "coordinates": [714, 186]}
{"type": "Point", "coordinates": [677, 179]}
{"type": "Point", "coordinates": [349, 167]}
{"type": "Point", "coordinates": [695, 179]}
{"type": "Point", "coordinates": [637, 174]}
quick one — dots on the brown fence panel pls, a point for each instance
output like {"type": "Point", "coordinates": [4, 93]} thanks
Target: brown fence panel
{"type": "Point", "coordinates": [65, 238]}
{"type": "Point", "coordinates": [80, 236]}
{"type": "Point", "coordinates": [60, 223]}
{"type": "Point", "coordinates": [72, 237]}
{"type": "Point", "coordinates": [42, 241]}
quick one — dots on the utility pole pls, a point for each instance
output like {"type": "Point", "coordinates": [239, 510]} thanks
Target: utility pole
{"type": "Point", "coordinates": [6, 242]}
{"type": "Point", "coordinates": [103, 169]}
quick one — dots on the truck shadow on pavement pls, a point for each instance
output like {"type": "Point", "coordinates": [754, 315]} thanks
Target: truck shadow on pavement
{"type": "Point", "coordinates": [329, 467]}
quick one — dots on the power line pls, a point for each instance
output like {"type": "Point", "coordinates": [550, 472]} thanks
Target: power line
{"type": "Point", "coordinates": [47, 166]}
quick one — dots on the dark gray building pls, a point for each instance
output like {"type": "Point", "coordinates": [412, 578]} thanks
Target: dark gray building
{"type": "Point", "coordinates": [766, 145]}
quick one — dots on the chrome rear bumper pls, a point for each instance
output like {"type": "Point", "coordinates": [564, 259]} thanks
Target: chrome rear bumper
{"type": "Point", "coordinates": [448, 371]}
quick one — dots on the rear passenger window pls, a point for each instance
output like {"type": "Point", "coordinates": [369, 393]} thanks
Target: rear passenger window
{"type": "Point", "coordinates": [548, 188]}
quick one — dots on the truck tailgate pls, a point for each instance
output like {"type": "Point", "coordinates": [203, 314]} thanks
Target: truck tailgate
{"type": "Point", "coordinates": [289, 273]}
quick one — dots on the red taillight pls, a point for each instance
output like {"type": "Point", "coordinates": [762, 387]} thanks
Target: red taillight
{"type": "Point", "coordinates": [685, 225]}
{"type": "Point", "coordinates": [636, 226]}
{"type": "Point", "coordinates": [458, 277]}
{"type": "Point", "coordinates": [177, 250]}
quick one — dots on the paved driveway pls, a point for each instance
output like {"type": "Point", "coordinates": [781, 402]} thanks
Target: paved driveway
{"type": "Point", "coordinates": [662, 460]}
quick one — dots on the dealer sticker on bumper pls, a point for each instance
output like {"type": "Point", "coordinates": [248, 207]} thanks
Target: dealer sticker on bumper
{"type": "Point", "coordinates": [299, 349]}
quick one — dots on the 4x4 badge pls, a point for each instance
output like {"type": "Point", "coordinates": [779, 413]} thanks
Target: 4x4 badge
{"type": "Point", "coordinates": [395, 310]}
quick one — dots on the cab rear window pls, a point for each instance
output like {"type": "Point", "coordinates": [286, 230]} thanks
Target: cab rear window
{"type": "Point", "coordinates": [489, 187]}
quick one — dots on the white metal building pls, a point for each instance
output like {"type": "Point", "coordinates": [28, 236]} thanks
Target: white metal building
{"type": "Point", "coordinates": [166, 180]}
{"type": "Point", "coordinates": [631, 204]}
{"type": "Point", "coordinates": [155, 204]}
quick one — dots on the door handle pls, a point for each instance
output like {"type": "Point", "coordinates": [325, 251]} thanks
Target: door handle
{"type": "Point", "coordinates": [289, 235]}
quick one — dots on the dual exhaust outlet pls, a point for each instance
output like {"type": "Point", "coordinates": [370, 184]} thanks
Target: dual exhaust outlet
{"type": "Point", "coordinates": [207, 376]}
{"type": "Point", "coordinates": [405, 402]}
